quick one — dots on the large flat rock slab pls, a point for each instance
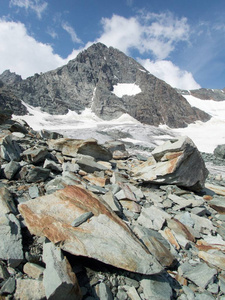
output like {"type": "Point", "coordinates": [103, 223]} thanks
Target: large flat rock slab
{"type": "Point", "coordinates": [103, 236]}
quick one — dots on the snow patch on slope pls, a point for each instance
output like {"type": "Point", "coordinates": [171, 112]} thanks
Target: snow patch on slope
{"type": "Point", "coordinates": [128, 89]}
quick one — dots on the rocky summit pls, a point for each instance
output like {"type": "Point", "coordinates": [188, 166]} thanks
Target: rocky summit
{"type": "Point", "coordinates": [109, 83]}
{"type": "Point", "coordinates": [80, 220]}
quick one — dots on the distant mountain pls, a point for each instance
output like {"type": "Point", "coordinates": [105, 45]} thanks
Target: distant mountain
{"type": "Point", "coordinates": [205, 94]}
{"type": "Point", "coordinates": [90, 81]}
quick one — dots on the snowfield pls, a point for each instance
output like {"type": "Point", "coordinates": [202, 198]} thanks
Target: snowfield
{"type": "Point", "coordinates": [206, 135]}
{"type": "Point", "coordinates": [126, 89]}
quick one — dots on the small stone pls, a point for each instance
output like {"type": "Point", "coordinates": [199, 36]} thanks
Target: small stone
{"type": "Point", "coordinates": [52, 165]}
{"type": "Point", "coordinates": [82, 218]}
{"type": "Point", "coordinates": [8, 287]}
{"type": "Point", "coordinates": [4, 274]}
{"type": "Point", "coordinates": [10, 149]}
{"type": "Point", "coordinates": [29, 289]}
{"type": "Point", "coordinates": [201, 274]}
{"type": "Point", "coordinates": [33, 270]}
{"type": "Point", "coordinates": [156, 287]}
{"type": "Point", "coordinates": [153, 217]}
{"type": "Point", "coordinates": [104, 292]}
{"type": "Point", "coordinates": [33, 192]}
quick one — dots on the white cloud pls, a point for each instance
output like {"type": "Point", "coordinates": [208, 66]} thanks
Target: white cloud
{"type": "Point", "coordinates": [121, 33]}
{"type": "Point", "coordinates": [69, 29]}
{"type": "Point", "coordinates": [170, 73]}
{"type": "Point", "coordinates": [22, 54]}
{"type": "Point", "coordinates": [150, 33]}
{"type": "Point", "coordinates": [38, 6]}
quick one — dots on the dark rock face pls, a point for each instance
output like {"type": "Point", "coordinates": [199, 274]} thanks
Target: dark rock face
{"type": "Point", "coordinates": [9, 103]}
{"type": "Point", "coordinates": [8, 77]}
{"type": "Point", "coordinates": [88, 81]}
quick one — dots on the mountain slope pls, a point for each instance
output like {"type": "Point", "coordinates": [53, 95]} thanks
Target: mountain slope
{"type": "Point", "coordinates": [89, 81]}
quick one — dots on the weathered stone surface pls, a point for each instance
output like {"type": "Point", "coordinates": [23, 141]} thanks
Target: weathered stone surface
{"type": "Point", "coordinates": [200, 273]}
{"type": "Point", "coordinates": [7, 204]}
{"type": "Point", "coordinates": [33, 191]}
{"type": "Point", "coordinates": [59, 280]}
{"type": "Point", "coordinates": [29, 289]}
{"type": "Point", "coordinates": [8, 287]}
{"type": "Point", "coordinates": [114, 204]}
{"type": "Point", "coordinates": [103, 292]}
{"type": "Point", "coordinates": [10, 149]}
{"type": "Point", "coordinates": [37, 174]}
{"type": "Point", "coordinates": [11, 239]}
{"type": "Point", "coordinates": [47, 134]}
{"type": "Point", "coordinates": [156, 245]}
{"type": "Point", "coordinates": [11, 169]}
{"type": "Point", "coordinates": [52, 165]}
{"type": "Point", "coordinates": [33, 270]}
{"type": "Point", "coordinates": [219, 190]}
{"type": "Point", "coordinates": [153, 217]}
{"type": "Point", "coordinates": [218, 205]}
{"type": "Point", "coordinates": [182, 234]}
{"type": "Point", "coordinates": [213, 257]}
{"type": "Point", "coordinates": [105, 237]}
{"type": "Point", "coordinates": [72, 147]}
{"type": "Point", "coordinates": [10, 233]}
{"type": "Point", "coordinates": [99, 181]}
{"type": "Point", "coordinates": [35, 155]}
{"type": "Point", "coordinates": [177, 162]}
{"type": "Point", "coordinates": [219, 151]}
{"type": "Point", "coordinates": [88, 164]}
{"type": "Point", "coordinates": [156, 287]}
{"type": "Point", "coordinates": [4, 274]}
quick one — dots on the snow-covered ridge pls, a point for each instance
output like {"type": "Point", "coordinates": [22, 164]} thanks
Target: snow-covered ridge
{"type": "Point", "coordinates": [129, 89]}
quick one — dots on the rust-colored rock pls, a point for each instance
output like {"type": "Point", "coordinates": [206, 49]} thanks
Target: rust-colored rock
{"type": "Point", "coordinates": [72, 147]}
{"type": "Point", "coordinates": [104, 236]}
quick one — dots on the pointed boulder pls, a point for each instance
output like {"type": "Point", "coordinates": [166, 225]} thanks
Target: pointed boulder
{"type": "Point", "coordinates": [104, 236]}
{"type": "Point", "coordinates": [176, 162]}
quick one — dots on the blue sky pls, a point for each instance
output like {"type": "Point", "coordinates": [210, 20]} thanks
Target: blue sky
{"type": "Point", "coordinates": [179, 41]}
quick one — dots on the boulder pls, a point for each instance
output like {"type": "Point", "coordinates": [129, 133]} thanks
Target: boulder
{"type": "Point", "coordinates": [35, 155]}
{"type": "Point", "coordinates": [175, 162]}
{"type": "Point", "coordinates": [11, 169]}
{"type": "Point", "coordinates": [219, 151]}
{"type": "Point", "coordinates": [72, 147]}
{"type": "Point", "coordinates": [11, 248]}
{"type": "Point", "coordinates": [10, 149]}
{"type": "Point", "coordinates": [104, 236]}
{"type": "Point", "coordinates": [10, 232]}
{"type": "Point", "coordinates": [60, 282]}
{"type": "Point", "coordinates": [47, 134]}
{"type": "Point", "coordinates": [37, 174]}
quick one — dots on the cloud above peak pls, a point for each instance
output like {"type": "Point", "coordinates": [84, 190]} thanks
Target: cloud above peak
{"type": "Point", "coordinates": [149, 33]}
{"type": "Point", "coordinates": [38, 6]}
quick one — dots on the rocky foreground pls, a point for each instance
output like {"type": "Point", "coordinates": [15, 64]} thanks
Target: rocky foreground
{"type": "Point", "coordinates": [79, 220]}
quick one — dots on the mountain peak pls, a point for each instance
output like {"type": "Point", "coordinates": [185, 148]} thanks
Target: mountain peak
{"type": "Point", "coordinates": [9, 77]}
{"type": "Point", "coordinates": [89, 81]}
